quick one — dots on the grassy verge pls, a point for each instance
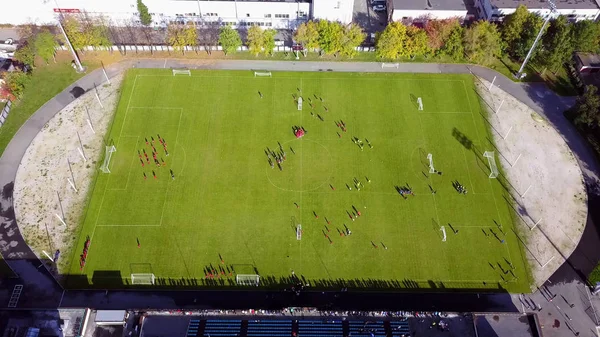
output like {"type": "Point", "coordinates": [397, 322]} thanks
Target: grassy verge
{"type": "Point", "coordinates": [46, 82]}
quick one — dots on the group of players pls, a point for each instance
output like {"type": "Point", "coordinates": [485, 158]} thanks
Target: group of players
{"type": "Point", "coordinates": [158, 163]}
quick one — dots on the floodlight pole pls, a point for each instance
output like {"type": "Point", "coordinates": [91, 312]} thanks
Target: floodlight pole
{"type": "Point", "coordinates": [75, 57]}
{"type": "Point", "coordinates": [520, 74]}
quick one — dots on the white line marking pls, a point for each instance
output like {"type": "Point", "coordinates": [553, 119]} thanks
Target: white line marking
{"type": "Point", "coordinates": [162, 213]}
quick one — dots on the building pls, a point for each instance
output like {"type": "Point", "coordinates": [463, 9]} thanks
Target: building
{"type": "Point", "coordinates": [419, 10]}
{"type": "Point", "coordinates": [575, 10]}
{"type": "Point", "coordinates": [278, 14]}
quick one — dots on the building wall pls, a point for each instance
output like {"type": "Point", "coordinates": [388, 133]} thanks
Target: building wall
{"type": "Point", "coordinates": [333, 10]}
{"type": "Point", "coordinates": [398, 14]}
{"type": "Point", "coordinates": [279, 15]}
{"type": "Point", "coordinates": [485, 11]}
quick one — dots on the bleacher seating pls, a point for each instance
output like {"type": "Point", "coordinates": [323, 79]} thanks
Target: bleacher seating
{"type": "Point", "coordinates": [222, 327]}
{"type": "Point", "coordinates": [274, 328]}
{"type": "Point", "coordinates": [400, 328]}
{"type": "Point", "coordinates": [320, 328]}
{"type": "Point", "coordinates": [367, 328]}
{"type": "Point", "coordinates": [193, 327]}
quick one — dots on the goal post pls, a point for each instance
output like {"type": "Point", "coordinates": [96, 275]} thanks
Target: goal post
{"type": "Point", "coordinates": [108, 151]}
{"type": "Point", "coordinates": [390, 65]}
{"type": "Point", "coordinates": [142, 279]}
{"type": "Point", "coordinates": [430, 158]}
{"type": "Point", "coordinates": [300, 103]}
{"type": "Point", "coordinates": [443, 229]}
{"type": "Point", "coordinates": [299, 232]}
{"type": "Point", "coordinates": [247, 279]}
{"type": "Point", "coordinates": [491, 157]}
{"type": "Point", "coordinates": [262, 74]}
{"type": "Point", "coordinates": [420, 103]}
{"type": "Point", "coordinates": [182, 72]}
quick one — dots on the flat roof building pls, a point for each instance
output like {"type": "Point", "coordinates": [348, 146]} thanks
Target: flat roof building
{"type": "Point", "coordinates": [575, 10]}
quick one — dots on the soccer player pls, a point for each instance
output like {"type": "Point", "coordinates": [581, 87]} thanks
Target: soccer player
{"type": "Point", "coordinates": [172, 174]}
{"type": "Point", "coordinates": [154, 174]}
{"type": "Point", "coordinates": [144, 175]}
{"type": "Point", "coordinates": [141, 161]}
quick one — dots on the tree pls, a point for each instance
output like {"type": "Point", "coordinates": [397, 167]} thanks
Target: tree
{"type": "Point", "coordinates": [255, 40]}
{"type": "Point", "coordinates": [453, 45]}
{"type": "Point", "coordinates": [145, 17]}
{"type": "Point", "coordinates": [229, 39]}
{"type": "Point", "coordinates": [416, 43]}
{"type": "Point", "coordinates": [269, 41]}
{"type": "Point", "coordinates": [25, 55]}
{"type": "Point", "coordinates": [513, 24]}
{"type": "Point", "coordinates": [438, 32]}
{"type": "Point", "coordinates": [482, 43]}
{"type": "Point", "coordinates": [390, 41]}
{"type": "Point", "coordinates": [557, 46]}
{"type": "Point", "coordinates": [74, 31]}
{"type": "Point", "coordinates": [190, 35]}
{"type": "Point", "coordinates": [15, 82]}
{"type": "Point", "coordinates": [587, 108]}
{"type": "Point", "coordinates": [330, 36]}
{"type": "Point", "coordinates": [307, 35]}
{"type": "Point", "coordinates": [176, 37]}
{"type": "Point", "coordinates": [352, 37]}
{"type": "Point", "coordinates": [585, 36]}
{"type": "Point", "coordinates": [44, 44]}
{"type": "Point", "coordinates": [531, 29]}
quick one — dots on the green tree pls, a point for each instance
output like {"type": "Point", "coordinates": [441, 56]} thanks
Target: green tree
{"type": "Point", "coordinates": [438, 32]}
{"type": "Point", "coordinates": [307, 35]}
{"type": "Point", "coordinates": [74, 30]}
{"type": "Point", "coordinates": [585, 36]}
{"type": "Point", "coordinates": [416, 43]}
{"type": "Point", "coordinates": [176, 37]}
{"type": "Point", "coordinates": [557, 46]}
{"type": "Point", "coordinates": [44, 44]}
{"type": "Point", "coordinates": [269, 41]}
{"type": "Point", "coordinates": [587, 108]}
{"type": "Point", "coordinates": [255, 40]}
{"type": "Point", "coordinates": [330, 36]}
{"type": "Point", "coordinates": [352, 38]}
{"type": "Point", "coordinates": [390, 42]}
{"type": "Point", "coordinates": [145, 17]}
{"type": "Point", "coordinates": [453, 46]}
{"type": "Point", "coordinates": [229, 39]}
{"type": "Point", "coordinates": [15, 82]}
{"type": "Point", "coordinates": [25, 54]}
{"type": "Point", "coordinates": [512, 27]}
{"type": "Point", "coordinates": [482, 43]}
{"type": "Point", "coordinates": [531, 29]}
{"type": "Point", "coordinates": [98, 35]}
{"type": "Point", "coordinates": [190, 35]}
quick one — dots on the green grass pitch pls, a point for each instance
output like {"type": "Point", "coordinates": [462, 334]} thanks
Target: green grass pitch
{"type": "Point", "coordinates": [227, 202]}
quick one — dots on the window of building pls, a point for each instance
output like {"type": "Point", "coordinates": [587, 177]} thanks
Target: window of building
{"type": "Point", "coordinates": [267, 15]}
{"type": "Point", "coordinates": [282, 16]}
{"type": "Point", "coordinates": [247, 15]}
{"type": "Point", "coordinates": [301, 14]}
{"type": "Point", "coordinates": [269, 24]}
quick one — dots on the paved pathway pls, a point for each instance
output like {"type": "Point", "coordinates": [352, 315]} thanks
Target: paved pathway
{"type": "Point", "coordinates": [41, 290]}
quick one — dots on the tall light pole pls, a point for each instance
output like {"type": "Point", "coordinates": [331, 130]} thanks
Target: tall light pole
{"type": "Point", "coordinates": [520, 74]}
{"type": "Point", "coordinates": [62, 29]}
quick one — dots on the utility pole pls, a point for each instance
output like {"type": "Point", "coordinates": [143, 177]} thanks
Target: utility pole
{"type": "Point", "coordinates": [520, 74]}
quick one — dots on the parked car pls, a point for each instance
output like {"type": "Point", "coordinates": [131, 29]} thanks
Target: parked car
{"type": "Point", "coordinates": [378, 6]}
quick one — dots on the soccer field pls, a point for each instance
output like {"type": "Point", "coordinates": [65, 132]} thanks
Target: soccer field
{"type": "Point", "coordinates": [227, 211]}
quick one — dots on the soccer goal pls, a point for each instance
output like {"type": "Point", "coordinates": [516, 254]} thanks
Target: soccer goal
{"type": "Point", "coordinates": [492, 163]}
{"type": "Point", "coordinates": [182, 72]}
{"type": "Point", "coordinates": [247, 279]}
{"type": "Point", "coordinates": [299, 232]}
{"type": "Point", "coordinates": [262, 74]}
{"type": "Point", "coordinates": [142, 279]}
{"type": "Point", "coordinates": [420, 103]}
{"type": "Point", "coordinates": [443, 229]}
{"type": "Point", "coordinates": [431, 168]}
{"type": "Point", "coordinates": [107, 155]}
{"type": "Point", "coordinates": [390, 65]}
{"type": "Point", "coordinates": [299, 103]}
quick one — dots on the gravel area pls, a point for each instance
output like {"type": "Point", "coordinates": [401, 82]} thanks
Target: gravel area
{"type": "Point", "coordinates": [543, 177]}
{"type": "Point", "coordinates": [43, 191]}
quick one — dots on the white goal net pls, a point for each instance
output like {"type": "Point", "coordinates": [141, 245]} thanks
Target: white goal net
{"type": "Point", "coordinates": [142, 278]}
{"type": "Point", "coordinates": [443, 229]}
{"type": "Point", "coordinates": [107, 155]}
{"type": "Point", "coordinates": [299, 232]}
{"type": "Point", "coordinates": [262, 74]}
{"type": "Point", "coordinates": [492, 163]}
{"type": "Point", "coordinates": [182, 72]}
{"type": "Point", "coordinates": [299, 103]}
{"type": "Point", "coordinates": [390, 65]}
{"type": "Point", "coordinates": [247, 279]}
{"type": "Point", "coordinates": [420, 103]}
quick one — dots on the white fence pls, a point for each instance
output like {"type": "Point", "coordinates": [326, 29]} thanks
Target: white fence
{"type": "Point", "coordinates": [4, 112]}
{"type": "Point", "coordinates": [200, 48]}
